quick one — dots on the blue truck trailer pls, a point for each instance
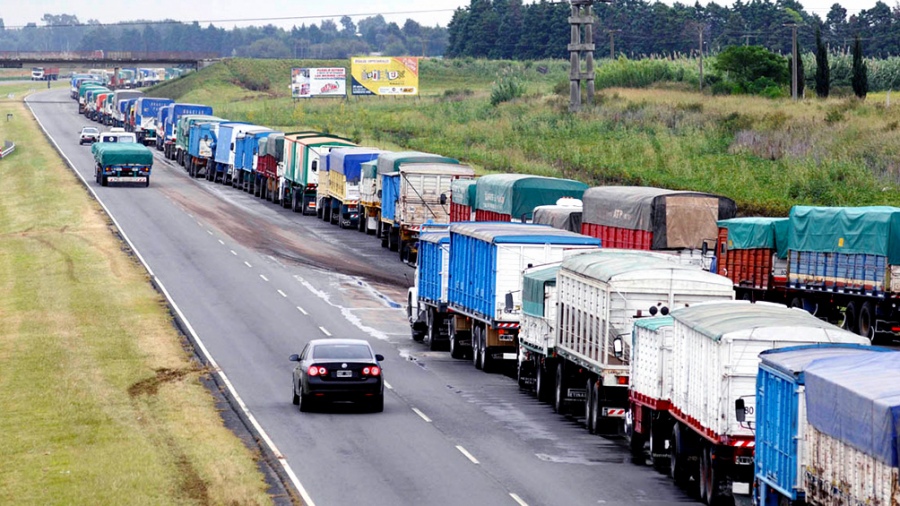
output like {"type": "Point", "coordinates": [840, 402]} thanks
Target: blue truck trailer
{"type": "Point", "coordinates": [178, 110]}
{"type": "Point", "coordinates": [827, 425]}
{"type": "Point", "coordinates": [426, 307]}
{"type": "Point", "coordinates": [160, 124]}
{"type": "Point", "coordinates": [202, 139]}
{"type": "Point", "coordinates": [484, 296]}
{"type": "Point", "coordinates": [223, 156]}
{"type": "Point", "coordinates": [340, 188]}
{"type": "Point", "coordinates": [245, 155]}
{"type": "Point", "coordinates": [146, 110]}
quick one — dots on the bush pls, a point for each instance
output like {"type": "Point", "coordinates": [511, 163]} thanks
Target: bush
{"type": "Point", "coordinates": [753, 69]}
{"type": "Point", "coordinates": [506, 88]}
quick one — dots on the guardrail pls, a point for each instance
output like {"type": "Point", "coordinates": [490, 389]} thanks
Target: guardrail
{"type": "Point", "coordinates": [8, 148]}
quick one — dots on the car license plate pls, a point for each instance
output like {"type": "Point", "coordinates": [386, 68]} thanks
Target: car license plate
{"type": "Point", "coordinates": [345, 374]}
{"type": "Point", "coordinates": [114, 179]}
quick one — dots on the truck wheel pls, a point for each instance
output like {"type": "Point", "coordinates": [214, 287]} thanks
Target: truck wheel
{"type": "Point", "coordinates": [542, 382]}
{"type": "Point", "coordinates": [476, 346]}
{"type": "Point", "coordinates": [487, 362]}
{"type": "Point", "coordinates": [659, 454]}
{"type": "Point", "coordinates": [147, 182]}
{"type": "Point", "coordinates": [589, 407]}
{"type": "Point", "coordinates": [850, 317]}
{"type": "Point", "coordinates": [434, 330]}
{"type": "Point", "coordinates": [393, 239]}
{"type": "Point", "coordinates": [457, 350]}
{"type": "Point", "coordinates": [866, 325]}
{"type": "Point", "coordinates": [677, 469]}
{"type": "Point", "coordinates": [361, 222]}
{"type": "Point", "coordinates": [294, 206]}
{"type": "Point", "coordinates": [559, 397]}
{"type": "Point", "coordinates": [104, 181]}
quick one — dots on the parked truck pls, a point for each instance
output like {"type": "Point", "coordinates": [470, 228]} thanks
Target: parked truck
{"type": "Point", "coordinates": [564, 215]}
{"type": "Point", "coordinates": [340, 204]}
{"type": "Point", "coordinates": [44, 73]}
{"type": "Point", "coordinates": [82, 95]}
{"type": "Point", "coordinates": [484, 299]}
{"type": "Point", "coordinates": [426, 307]}
{"type": "Point", "coordinates": [462, 199]}
{"type": "Point", "coordinates": [119, 110]}
{"type": "Point", "coordinates": [270, 166]}
{"type": "Point", "coordinates": [644, 218]}
{"type": "Point", "coordinates": [599, 297]}
{"type": "Point", "coordinates": [118, 162]}
{"type": "Point", "coordinates": [415, 189]}
{"type": "Point", "coordinates": [715, 351]}
{"type": "Point", "coordinates": [513, 197]}
{"type": "Point", "coordinates": [537, 330]}
{"type": "Point", "coordinates": [370, 198]}
{"type": "Point", "coordinates": [201, 148]}
{"type": "Point", "coordinates": [146, 110]}
{"type": "Point", "coordinates": [245, 156]}
{"type": "Point", "coordinates": [183, 131]}
{"type": "Point", "coordinates": [304, 155]}
{"type": "Point", "coordinates": [802, 458]}
{"type": "Point", "coordinates": [171, 124]}
{"type": "Point", "coordinates": [752, 253]}
{"type": "Point", "coordinates": [224, 158]}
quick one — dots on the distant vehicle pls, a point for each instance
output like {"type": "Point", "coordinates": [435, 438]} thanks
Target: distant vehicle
{"type": "Point", "coordinates": [88, 135]}
{"type": "Point", "coordinates": [118, 135]}
{"type": "Point", "coordinates": [338, 370]}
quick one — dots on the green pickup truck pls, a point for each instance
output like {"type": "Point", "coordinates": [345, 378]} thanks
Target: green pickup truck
{"type": "Point", "coordinates": [126, 162]}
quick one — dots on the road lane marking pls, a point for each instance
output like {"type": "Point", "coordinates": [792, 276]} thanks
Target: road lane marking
{"type": "Point", "coordinates": [263, 277]}
{"type": "Point", "coordinates": [233, 253]}
{"type": "Point", "coordinates": [421, 415]}
{"type": "Point", "coordinates": [208, 231]}
{"type": "Point", "coordinates": [307, 500]}
{"type": "Point", "coordinates": [198, 223]}
{"type": "Point", "coordinates": [325, 331]}
{"type": "Point", "coordinates": [221, 242]}
{"type": "Point", "coordinates": [248, 264]}
{"type": "Point", "coordinates": [282, 293]}
{"type": "Point", "coordinates": [467, 454]}
{"type": "Point", "coordinates": [302, 310]}
{"type": "Point", "coordinates": [388, 386]}
{"type": "Point", "coordinates": [518, 499]}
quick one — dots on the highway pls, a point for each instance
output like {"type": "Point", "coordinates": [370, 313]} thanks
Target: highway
{"type": "Point", "coordinates": [256, 282]}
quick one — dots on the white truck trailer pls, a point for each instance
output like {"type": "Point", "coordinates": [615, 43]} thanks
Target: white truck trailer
{"type": "Point", "coordinates": [715, 351]}
{"type": "Point", "coordinates": [599, 296]}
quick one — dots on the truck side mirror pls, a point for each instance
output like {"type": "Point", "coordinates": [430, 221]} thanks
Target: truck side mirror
{"type": "Point", "coordinates": [379, 193]}
{"type": "Point", "coordinates": [508, 302]}
{"type": "Point", "coordinates": [618, 347]}
{"type": "Point", "coordinates": [740, 411]}
{"type": "Point", "coordinates": [443, 199]}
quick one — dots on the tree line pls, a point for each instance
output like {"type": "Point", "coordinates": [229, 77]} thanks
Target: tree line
{"type": "Point", "coordinates": [639, 28]}
{"type": "Point", "coordinates": [326, 40]}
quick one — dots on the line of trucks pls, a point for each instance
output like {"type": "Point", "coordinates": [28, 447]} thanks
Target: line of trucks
{"type": "Point", "coordinates": [618, 303]}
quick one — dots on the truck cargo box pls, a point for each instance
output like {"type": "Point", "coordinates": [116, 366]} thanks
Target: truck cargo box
{"type": "Point", "coordinates": [717, 347]}
{"type": "Point", "coordinates": [224, 153]}
{"type": "Point", "coordinates": [487, 260]}
{"type": "Point", "coordinates": [853, 415]}
{"type": "Point", "coordinates": [345, 171]}
{"type": "Point", "coordinates": [781, 457]}
{"type": "Point", "coordinates": [752, 252]}
{"type": "Point", "coordinates": [271, 154]}
{"type": "Point", "coordinates": [434, 264]}
{"type": "Point", "coordinates": [120, 154]}
{"type": "Point", "coordinates": [304, 156]}
{"type": "Point", "coordinates": [178, 110]}
{"type": "Point", "coordinates": [462, 199]}
{"type": "Point", "coordinates": [564, 215]}
{"type": "Point", "coordinates": [651, 361]}
{"type": "Point", "coordinates": [538, 326]}
{"type": "Point", "coordinates": [845, 249]}
{"type": "Point", "coordinates": [369, 184]}
{"type": "Point", "coordinates": [414, 194]}
{"type": "Point", "coordinates": [636, 217]}
{"type": "Point", "coordinates": [508, 197]}
{"type": "Point", "coordinates": [146, 109]}
{"type": "Point", "coordinates": [602, 293]}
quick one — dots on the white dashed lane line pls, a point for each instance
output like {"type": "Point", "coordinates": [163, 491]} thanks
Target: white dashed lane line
{"type": "Point", "coordinates": [221, 242]}
{"type": "Point", "coordinates": [421, 415]}
{"type": "Point", "coordinates": [233, 253]}
{"type": "Point", "coordinates": [302, 310]}
{"type": "Point", "coordinates": [209, 232]}
{"type": "Point", "coordinates": [467, 454]}
{"type": "Point", "coordinates": [263, 277]}
{"type": "Point", "coordinates": [325, 331]}
{"type": "Point", "coordinates": [518, 499]}
{"type": "Point", "coordinates": [282, 293]}
{"type": "Point", "coordinates": [388, 386]}
{"type": "Point", "coordinates": [248, 264]}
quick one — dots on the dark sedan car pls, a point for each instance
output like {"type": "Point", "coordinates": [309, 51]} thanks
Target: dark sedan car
{"type": "Point", "coordinates": [338, 370]}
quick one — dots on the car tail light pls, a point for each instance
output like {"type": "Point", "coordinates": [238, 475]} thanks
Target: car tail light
{"type": "Point", "coordinates": [317, 370]}
{"type": "Point", "coordinates": [371, 371]}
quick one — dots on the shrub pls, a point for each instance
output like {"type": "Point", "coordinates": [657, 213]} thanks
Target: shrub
{"type": "Point", "coordinates": [506, 88]}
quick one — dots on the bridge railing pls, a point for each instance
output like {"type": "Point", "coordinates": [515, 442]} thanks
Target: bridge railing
{"type": "Point", "coordinates": [106, 55]}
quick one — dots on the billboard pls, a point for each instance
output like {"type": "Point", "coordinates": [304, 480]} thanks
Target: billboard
{"type": "Point", "coordinates": [384, 76]}
{"type": "Point", "coordinates": [318, 82]}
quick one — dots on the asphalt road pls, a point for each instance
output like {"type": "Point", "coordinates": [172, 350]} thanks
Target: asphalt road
{"type": "Point", "coordinates": [256, 282]}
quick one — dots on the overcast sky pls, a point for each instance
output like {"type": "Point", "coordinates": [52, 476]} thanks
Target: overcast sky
{"type": "Point", "coordinates": [224, 12]}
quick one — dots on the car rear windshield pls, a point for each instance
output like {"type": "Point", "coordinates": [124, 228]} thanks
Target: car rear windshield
{"type": "Point", "coordinates": [90, 131]}
{"type": "Point", "coordinates": [342, 351]}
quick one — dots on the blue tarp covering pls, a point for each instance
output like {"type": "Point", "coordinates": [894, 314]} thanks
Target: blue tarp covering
{"type": "Point", "coordinates": [857, 400]}
{"type": "Point", "coordinates": [390, 193]}
{"type": "Point", "coordinates": [348, 161]}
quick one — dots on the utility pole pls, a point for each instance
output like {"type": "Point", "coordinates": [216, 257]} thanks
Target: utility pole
{"type": "Point", "coordinates": [700, 32]}
{"type": "Point", "coordinates": [582, 18]}
{"type": "Point", "coordinates": [612, 43]}
{"type": "Point", "coordinates": [793, 60]}
{"type": "Point", "coordinates": [747, 39]}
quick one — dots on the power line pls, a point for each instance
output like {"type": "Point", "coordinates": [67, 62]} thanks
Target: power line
{"type": "Point", "coordinates": [239, 20]}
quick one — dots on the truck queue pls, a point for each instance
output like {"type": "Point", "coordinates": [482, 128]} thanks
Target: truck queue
{"type": "Point", "coordinates": [613, 302]}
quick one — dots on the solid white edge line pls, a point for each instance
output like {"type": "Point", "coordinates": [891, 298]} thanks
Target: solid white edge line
{"type": "Point", "coordinates": [467, 454]}
{"type": "Point", "coordinates": [282, 293]}
{"type": "Point", "coordinates": [281, 458]}
{"type": "Point", "coordinates": [263, 277]}
{"type": "Point", "coordinates": [248, 264]}
{"type": "Point", "coordinates": [421, 415]}
{"type": "Point", "coordinates": [325, 331]}
{"type": "Point", "coordinates": [518, 499]}
{"type": "Point", "coordinates": [302, 310]}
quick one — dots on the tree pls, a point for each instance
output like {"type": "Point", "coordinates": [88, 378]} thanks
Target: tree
{"type": "Point", "coordinates": [823, 73]}
{"type": "Point", "coordinates": [348, 27]}
{"type": "Point", "coordinates": [860, 78]}
{"type": "Point", "coordinates": [753, 69]}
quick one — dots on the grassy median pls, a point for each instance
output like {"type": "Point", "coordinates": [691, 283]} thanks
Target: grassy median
{"type": "Point", "coordinates": [100, 403]}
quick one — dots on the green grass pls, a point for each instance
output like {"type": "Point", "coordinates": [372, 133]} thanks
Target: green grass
{"type": "Point", "coordinates": [766, 154]}
{"type": "Point", "coordinates": [100, 402]}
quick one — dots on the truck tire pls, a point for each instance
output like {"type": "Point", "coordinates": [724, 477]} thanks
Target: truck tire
{"type": "Point", "coordinates": [677, 459]}
{"type": "Point", "coordinates": [294, 206]}
{"type": "Point", "coordinates": [103, 181]}
{"type": "Point", "coordinates": [589, 405]}
{"type": "Point", "coordinates": [866, 322]}
{"type": "Point", "coordinates": [488, 364]}
{"type": "Point", "coordinates": [559, 394]}
{"type": "Point", "coordinates": [393, 239]}
{"type": "Point", "coordinates": [851, 315]}
{"type": "Point", "coordinates": [659, 454]}
{"type": "Point", "coordinates": [542, 381]}
{"type": "Point", "coordinates": [147, 182]}
{"type": "Point", "coordinates": [434, 330]}
{"type": "Point", "coordinates": [476, 346]}
{"type": "Point", "coordinates": [361, 222]}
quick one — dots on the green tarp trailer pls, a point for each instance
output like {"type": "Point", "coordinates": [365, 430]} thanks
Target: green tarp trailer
{"type": "Point", "coordinates": [757, 233]}
{"type": "Point", "coordinates": [506, 197]}
{"type": "Point", "coordinates": [534, 285]}
{"type": "Point", "coordinates": [873, 230]}
{"type": "Point", "coordinates": [111, 154]}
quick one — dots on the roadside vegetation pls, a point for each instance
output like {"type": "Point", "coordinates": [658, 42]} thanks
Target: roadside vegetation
{"type": "Point", "coordinates": [767, 154]}
{"type": "Point", "coordinates": [101, 402]}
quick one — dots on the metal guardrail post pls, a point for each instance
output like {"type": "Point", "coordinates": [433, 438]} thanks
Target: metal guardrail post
{"type": "Point", "coordinates": [8, 148]}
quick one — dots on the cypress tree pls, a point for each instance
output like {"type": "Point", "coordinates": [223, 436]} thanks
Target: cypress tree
{"type": "Point", "coordinates": [860, 77]}
{"type": "Point", "coordinates": [823, 72]}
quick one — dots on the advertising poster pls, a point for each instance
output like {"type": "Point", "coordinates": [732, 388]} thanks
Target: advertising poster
{"type": "Point", "coordinates": [318, 82]}
{"type": "Point", "coordinates": [384, 76]}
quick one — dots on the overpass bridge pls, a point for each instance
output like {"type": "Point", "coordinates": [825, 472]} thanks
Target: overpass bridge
{"type": "Point", "coordinates": [107, 59]}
